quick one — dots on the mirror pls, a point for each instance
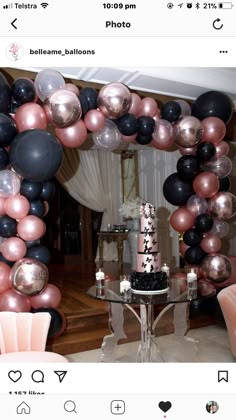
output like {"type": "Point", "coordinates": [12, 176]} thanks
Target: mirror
{"type": "Point", "coordinates": [129, 174]}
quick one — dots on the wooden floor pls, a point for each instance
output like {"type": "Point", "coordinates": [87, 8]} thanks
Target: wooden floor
{"type": "Point", "coordinates": [87, 318]}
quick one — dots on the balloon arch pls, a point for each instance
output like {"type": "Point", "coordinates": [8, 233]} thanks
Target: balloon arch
{"type": "Point", "coordinates": [30, 156]}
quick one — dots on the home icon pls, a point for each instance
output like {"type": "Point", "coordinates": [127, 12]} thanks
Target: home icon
{"type": "Point", "coordinates": [23, 408]}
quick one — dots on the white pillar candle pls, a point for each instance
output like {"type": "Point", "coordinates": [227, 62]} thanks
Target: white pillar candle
{"type": "Point", "coordinates": [100, 278]}
{"type": "Point", "coordinates": [166, 269]}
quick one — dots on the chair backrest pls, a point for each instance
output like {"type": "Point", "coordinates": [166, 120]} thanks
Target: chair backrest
{"type": "Point", "coordinates": [23, 331]}
{"type": "Point", "coordinates": [227, 301]}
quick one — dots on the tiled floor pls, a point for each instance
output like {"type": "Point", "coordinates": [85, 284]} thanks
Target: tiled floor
{"type": "Point", "coordinates": [212, 346]}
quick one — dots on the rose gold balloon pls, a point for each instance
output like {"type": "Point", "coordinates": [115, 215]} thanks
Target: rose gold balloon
{"type": "Point", "coordinates": [94, 120]}
{"type": "Point", "coordinates": [163, 135]}
{"type": "Point", "coordinates": [128, 139]}
{"type": "Point", "coordinates": [148, 106]}
{"type": "Point", "coordinates": [206, 184]}
{"type": "Point", "coordinates": [4, 277]}
{"type": "Point", "coordinates": [73, 136]}
{"type": "Point", "coordinates": [188, 150]}
{"type": "Point", "coordinates": [222, 149]}
{"type": "Point", "coordinates": [216, 268]}
{"type": "Point", "coordinates": [63, 108]}
{"type": "Point", "coordinates": [157, 116]}
{"type": "Point", "coordinates": [13, 249]}
{"type": "Point", "coordinates": [182, 220]}
{"type": "Point", "coordinates": [31, 228]}
{"type": "Point", "coordinates": [223, 205]}
{"type": "Point", "coordinates": [214, 130]}
{"type": "Point", "coordinates": [183, 248]}
{"type": "Point", "coordinates": [30, 116]}
{"type": "Point", "coordinates": [135, 104]}
{"type": "Point", "coordinates": [187, 131]}
{"type": "Point", "coordinates": [49, 298]}
{"type": "Point", "coordinates": [205, 288]}
{"type": "Point", "coordinates": [29, 277]}
{"type": "Point", "coordinates": [17, 206]}
{"type": "Point", "coordinates": [2, 208]}
{"type": "Point", "coordinates": [72, 88]}
{"type": "Point", "coordinates": [13, 302]}
{"type": "Point", "coordinates": [210, 243]}
{"type": "Point", "coordinates": [114, 100]}
{"type": "Point", "coordinates": [197, 205]}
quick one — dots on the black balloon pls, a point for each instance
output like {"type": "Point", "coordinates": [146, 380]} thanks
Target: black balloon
{"type": "Point", "coordinates": [91, 95]}
{"type": "Point", "coordinates": [224, 184]}
{"type": "Point", "coordinates": [146, 125]}
{"type": "Point", "coordinates": [13, 107]}
{"type": "Point", "coordinates": [58, 321]}
{"type": "Point", "coordinates": [37, 208]}
{"type": "Point", "coordinates": [7, 227]}
{"type": "Point", "coordinates": [171, 111]}
{"type": "Point", "coordinates": [8, 130]}
{"type": "Point", "coordinates": [3, 259]}
{"type": "Point", "coordinates": [23, 90]}
{"type": "Point", "coordinates": [213, 104]}
{"type": "Point", "coordinates": [4, 158]}
{"type": "Point", "coordinates": [194, 255]}
{"type": "Point", "coordinates": [84, 104]}
{"type": "Point", "coordinates": [192, 237]}
{"type": "Point", "coordinates": [187, 167]}
{"type": "Point", "coordinates": [177, 191]}
{"type": "Point", "coordinates": [29, 244]}
{"type": "Point", "coordinates": [30, 189]}
{"type": "Point", "coordinates": [204, 222]}
{"type": "Point", "coordinates": [40, 253]}
{"type": "Point", "coordinates": [5, 94]}
{"type": "Point", "coordinates": [127, 125]}
{"type": "Point", "coordinates": [143, 139]}
{"type": "Point", "coordinates": [205, 151]}
{"type": "Point", "coordinates": [48, 191]}
{"type": "Point", "coordinates": [36, 155]}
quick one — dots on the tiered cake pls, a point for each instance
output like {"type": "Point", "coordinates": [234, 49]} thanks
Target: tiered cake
{"type": "Point", "coordinates": [148, 277]}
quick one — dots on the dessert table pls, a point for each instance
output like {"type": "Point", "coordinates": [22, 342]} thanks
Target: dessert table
{"type": "Point", "coordinates": [148, 351]}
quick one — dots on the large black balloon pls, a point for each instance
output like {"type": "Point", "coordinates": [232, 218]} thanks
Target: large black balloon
{"type": "Point", "coordinates": [146, 125]}
{"type": "Point", "coordinates": [171, 111]}
{"type": "Point", "coordinates": [3, 259]}
{"type": "Point", "coordinates": [7, 227]}
{"type": "Point", "coordinates": [8, 130]}
{"type": "Point", "coordinates": [143, 139]}
{"type": "Point", "coordinates": [225, 184]}
{"type": "Point", "coordinates": [192, 237]}
{"type": "Point", "coordinates": [40, 253]}
{"type": "Point", "coordinates": [127, 125]}
{"type": "Point", "coordinates": [4, 158]}
{"type": "Point", "coordinates": [213, 104]}
{"type": "Point", "coordinates": [30, 189]}
{"type": "Point", "coordinates": [205, 151]}
{"type": "Point", "coordinates": [37, 208]}
{"type": "Point", "coordinates": [48, 191]}
{"type": "Point", "coordinates": [177, 191]}
{"type": "Point", "coordinates": [36, 155]}
{"type": "Point", "coordinates": [91, 95]}
{"type": "Point", "coordinates": [203, 222]}
{"type": "Point", "coordinates": [187, 167]}
{"type": "Point", "coordinates": [5, 94]}
{"type": "Point", "coordinates": [23, 90]}
{"type": "Point", "coordinates": [194, 255]}
{"type": "Point", "coordinates": [84, 104]}
{"type": "Point", "coordinates": [57, 323]}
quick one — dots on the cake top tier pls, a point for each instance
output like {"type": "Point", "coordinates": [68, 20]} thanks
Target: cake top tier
{"type": "Point", "coordinates": [147, 210]}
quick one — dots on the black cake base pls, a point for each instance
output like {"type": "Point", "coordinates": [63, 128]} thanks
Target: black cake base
{"type": "Point", "coordinates": [149, 282]}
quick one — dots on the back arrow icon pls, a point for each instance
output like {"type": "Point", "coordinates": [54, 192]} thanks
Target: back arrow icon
{"type": "Point", "coordinates": [12, 23]}
{"type": "Point", "coordinates": [216, 24]}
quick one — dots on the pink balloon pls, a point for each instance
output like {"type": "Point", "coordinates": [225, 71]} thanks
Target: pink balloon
{"type": "Point", "coordinates": [94, 120]}
{"type": "Point", "coordinates": [223, 205]}
{"type": "Point", "coordinates": [46, 205]}
{"type": "Point", "coordinates": [216, 267]}
{"type": "Point", "coordinates": [29, 276]}
{"type": "Point", "coordinates": [128, 139]}
{"type": "Point", "coordinates": [188, 150]}
{"type": "Point", "coordinates": [157, 116]}
{"type": "Point", "coordinates": [114, 100]}
{"type": "Point", "coordinates": [211, 243]}
{"type": "Point", "coordinates": [13, 248]}
{"type": "Point", "coordinates": [72, 88]}
{"type": "Point", "coordinates": [182, 220]}
{"type": "Point", "coordinates": [4, 276]}
{"type": "Point", "coordinates": [148, 106]}
{"type": "Point", "coordinates": [49, 298]}
{"type": "Point", "coordinates": [183, 248]}
{"type": "Point", "coordinates": [135, 104]}
{"type": "Point", "coordinates": [17, 206]}
{"type": "Point", "coordinates": [31, 228]}
{"type": "Point", "coordinates": [185, 107]}
{"type": "Point", "coordinates": [30, 116]}
{"type": "Point", "coordinates": [2, 208]}
{"type": "Point", "coordinates": [14, 302]}
{"type": "Point", "coordinates": [163, 135]}
{"type": "Point", "coordinates": [187, 131]}
{"type": "Point", "coordinates": [214, 130]}
{"type": "Point", "coordinates": [73, 136]}
{"type": "Point", "coordinates": [206, 184]}
{"type": "Point", "coordinates": [222, 149]}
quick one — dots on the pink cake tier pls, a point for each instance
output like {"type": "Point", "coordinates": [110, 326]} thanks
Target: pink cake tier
{"type": "Point", "coordinates": [147, 242]}
{"type": "Point", "coordinates": [148, 263]}
{"type": "Point", "coordinates": [147, 222]}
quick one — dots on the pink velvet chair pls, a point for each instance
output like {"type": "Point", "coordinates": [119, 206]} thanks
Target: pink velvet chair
{"type": "Point", "coordinates": [227, 301]}
{"type": "Point", "coordinates": [23, 338]}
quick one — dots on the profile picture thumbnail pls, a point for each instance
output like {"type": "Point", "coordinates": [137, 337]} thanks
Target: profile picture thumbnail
{"type": "Point", "coordinates": [212, 407]}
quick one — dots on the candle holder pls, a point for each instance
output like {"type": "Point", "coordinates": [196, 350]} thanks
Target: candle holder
{"type": "Point", "coordinates": [125, 286]}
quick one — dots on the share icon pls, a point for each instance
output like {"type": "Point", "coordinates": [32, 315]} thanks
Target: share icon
{"type": "Point", "coordinates": [61, 374]}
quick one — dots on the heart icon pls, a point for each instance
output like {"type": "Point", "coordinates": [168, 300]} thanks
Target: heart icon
{"type": "Point", "coordinates": [165, 405]}
{"type": "Point", "coordinates": [14, 375]}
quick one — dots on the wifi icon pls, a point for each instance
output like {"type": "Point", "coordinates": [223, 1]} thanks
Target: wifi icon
{"type": "Point", "coordinates": [44, 5]}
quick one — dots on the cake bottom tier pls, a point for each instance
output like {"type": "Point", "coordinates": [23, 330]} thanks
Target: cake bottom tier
{"type": "Point", "coordinates": [149, 281]}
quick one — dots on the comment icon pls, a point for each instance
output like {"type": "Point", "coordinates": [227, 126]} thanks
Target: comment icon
{"type": "Point", "coordinates": [37, 376]}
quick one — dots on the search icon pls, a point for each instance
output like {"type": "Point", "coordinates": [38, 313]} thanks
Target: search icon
{"type": "Point", "coordinates": [70, 406]}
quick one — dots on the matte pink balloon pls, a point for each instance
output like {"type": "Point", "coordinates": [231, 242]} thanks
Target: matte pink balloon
{"type": "Point", "coordinates": [183, 248]}
{"type": "Point", "coordinates": [30, 116]}
{"type": "Point", "coordinates": [2, 208]}
{"type": "Point", "coordinates": [222, 149]}
{"type": "Point", "coordinates": [223, 205]}
{"type": "Point", "coordinates": [157, 116]}
{"type": "Point", "coordinates": [31, 228]}
{"type": "Point", "coordinates": [211, 243]}
{"type": "Point", "coordinates": [73, 136]}
{"type": "Point", "coordinates": [14, 302]}
{"type": "Point", "coordinates": [135, 104]}
{"type": "Point", "coordinates": [148, 106]}
{"type": "Point", "coordinates": [128, 139]}
{"type": "Point", "coordinates": [72, 88]}
{"type": "Point", "coordinates": [163, 135]}
{"type": "Point", "coordinates": [94, 120]}
{"type": "Point", "coordinates": [206, 184]}
{"type": "Point", "coordinates": [17, 206]}
{"type": "Point", "coordinates": [188, 150]}
{"type": "Point", "coordinates": [4, 277]}
{"type": "Point", "coordinates": [214, 130]}
{"type": "Point", "coordinates": [49, 298]}
{"type": "Point", "coordinates": [13, 249]}
{"type": "Point", "coordinates": [182, 220]}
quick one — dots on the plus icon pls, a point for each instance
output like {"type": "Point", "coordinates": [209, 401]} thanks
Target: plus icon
{"type": "Point", "coordinates": [117, 407]}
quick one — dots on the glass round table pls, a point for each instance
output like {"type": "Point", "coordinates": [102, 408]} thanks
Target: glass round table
{"type": "Point", "coordinates": [177, 296]}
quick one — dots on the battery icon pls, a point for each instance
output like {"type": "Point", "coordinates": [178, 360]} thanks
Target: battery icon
{"type": "Point", "coordinates": [225, 5]}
